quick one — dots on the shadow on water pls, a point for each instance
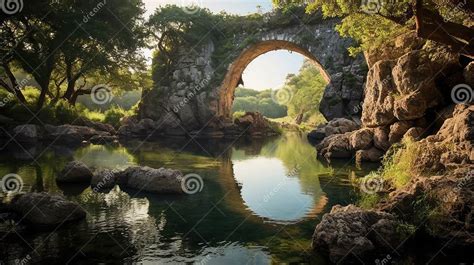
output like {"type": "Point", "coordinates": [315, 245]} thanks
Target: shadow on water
{"type": "Point", "coordinates": [260, 203]}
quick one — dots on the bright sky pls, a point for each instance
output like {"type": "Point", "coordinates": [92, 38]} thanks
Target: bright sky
{"type": "Point", "coordinates": [268, 70]}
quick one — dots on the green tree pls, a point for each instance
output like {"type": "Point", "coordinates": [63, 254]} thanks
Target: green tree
{"type": "Point", "coordinates": [307, 88]}
{"type": "Point", "coordinates": [371, 22]}
{"type": "Point", "coordinates": [64, 41]}
{"type": "Point", "coordinates": [257, 101]}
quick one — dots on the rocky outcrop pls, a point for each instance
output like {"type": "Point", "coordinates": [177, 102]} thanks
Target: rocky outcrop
{"type": "Point", "coordinates": [336, 126]}
{"type": "Point", "coordinates": [438, 200]}
{"type": "Point", "coordinates": [350, 233]}
{"type": "Point", "coordinates": [45, 209]}
{"type": "Point", "coordinates": [402, 44]}
{"type": "Point", "coordinates": [74, 172]}
{"type": "Point", "coordinates": [442, 182]}
{"type": "Point", "coordinates": [359, 144]}
{"type": "Point", "coordinates": [161, 181]}
{"type": "Point", "coordinates": [403, 91]}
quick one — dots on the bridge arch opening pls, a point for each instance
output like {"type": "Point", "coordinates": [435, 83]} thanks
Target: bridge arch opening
{"type": "Point", "coordinates": [234, 74]}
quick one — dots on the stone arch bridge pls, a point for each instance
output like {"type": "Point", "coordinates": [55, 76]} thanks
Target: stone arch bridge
{"type": "Point", "coordinates": [199, 98]}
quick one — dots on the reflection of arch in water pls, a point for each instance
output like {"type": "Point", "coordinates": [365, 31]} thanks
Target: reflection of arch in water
{"type": "Point", "coordinates": [236, 202]}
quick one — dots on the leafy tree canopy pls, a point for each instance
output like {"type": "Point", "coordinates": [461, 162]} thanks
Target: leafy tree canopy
{"type": "Point", "coordinates": [372, 22]}
{"type": "Point", "coordinates": [66, 41]}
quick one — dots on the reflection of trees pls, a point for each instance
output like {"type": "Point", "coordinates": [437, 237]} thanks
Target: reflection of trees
{"type": "Point", "coordinates": [104, 156]}
{"type": "Point", "coordinates": [250, 146]}
{"type": "Point", "coordinates": [198, 147]}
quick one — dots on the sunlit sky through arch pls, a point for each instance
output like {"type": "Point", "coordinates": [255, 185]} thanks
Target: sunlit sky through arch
{"type": "Point", "coordinates": [268, 70]}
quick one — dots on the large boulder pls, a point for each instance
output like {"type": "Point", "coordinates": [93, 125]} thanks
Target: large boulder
{"type": "Point", "coordinates": [336, 126]}
{"type": "Point", "coordinates": [369, 155]}
{"type": "Point", "coordinates": [406, 88]}
{"type": "Point", "coordinates": [349, 232]}
{"type": "Point", "coordinates": [398, 130]}
{"type": "Point", "coordinates": [362, 139]}
{"type": "Point", "coordinates": [28, 133]}
{"type": "Point", "coordinates": [336, 146]}
{"type": "Point", "coordinates": [74, 172]}
{"type": "Point", "coordinates": [378, 106]}
{"type": "Point", "coordinates": [393, 50]}
{"type": "Point", "coordinates": [381, 138]}
{"type": "Point", "coordinates": [46, 209]}
{"type": "Point", "coordinates": [162, 180]}
{"type": "Point", "coordinates": [103, 179]}
{"type": "Point", "coordinates": [415, 80]}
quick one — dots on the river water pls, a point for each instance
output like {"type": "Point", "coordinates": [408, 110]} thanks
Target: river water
{"type": "Point", "coordinates": [259, 204]}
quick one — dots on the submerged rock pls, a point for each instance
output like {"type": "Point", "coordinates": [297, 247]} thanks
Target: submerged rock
{"type": "Point", "coordinates": [46, 209]}
{"type": "Point", "coordinates": [162, 180]}
{"type": "Point", "coordinates": [75, 171]}
{"type": "Point", "coordinates": [350, 231]}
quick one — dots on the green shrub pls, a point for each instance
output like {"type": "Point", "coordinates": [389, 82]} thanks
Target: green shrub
{"type": "Point", "coordinates": [114, 115]}
{"type": "Point", "coordinates": [238, 114]}
{"type": "Point", "coordinates": [65, 113]}
{"type": "Point", "coordinates": [398, 162]}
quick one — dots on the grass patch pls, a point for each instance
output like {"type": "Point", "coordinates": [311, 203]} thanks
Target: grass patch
{"type": "Point", "coordinates": [399, 161]}
{"type": "Point", "coordinates": [60, 112]}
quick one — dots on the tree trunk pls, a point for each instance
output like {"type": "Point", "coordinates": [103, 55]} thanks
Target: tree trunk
{"type": "Point", "coordinates": [42, 97]}
{"type": "Point", "coordinates": [15, 87]}
{"type": "Point", "coordinates": [299, 118]}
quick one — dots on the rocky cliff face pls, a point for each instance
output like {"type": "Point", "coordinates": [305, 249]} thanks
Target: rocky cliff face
{"type": "Point", "coordinates": [406, 95]}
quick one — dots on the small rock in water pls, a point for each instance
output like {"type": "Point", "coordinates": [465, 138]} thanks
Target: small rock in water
{"type": "Point", "coordinates": [103, 180]}
{"type": "Point", "coordinates": [75, 171]}
{"type": "Point", "coordinates": [45, 209]}
{"type": "Point", "coordinates": [163, 181]}
{"type": "Point", "coordinates": [351, 230]}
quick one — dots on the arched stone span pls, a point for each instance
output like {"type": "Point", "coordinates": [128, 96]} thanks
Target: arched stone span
{"type": "Point", "coordinates": [236, 70]}
{"type": "Point", "coordinates": [199, 95]}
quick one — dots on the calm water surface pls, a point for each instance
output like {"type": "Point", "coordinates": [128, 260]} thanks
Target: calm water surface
{"type": "Point", "coordinates": [259, 205]}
